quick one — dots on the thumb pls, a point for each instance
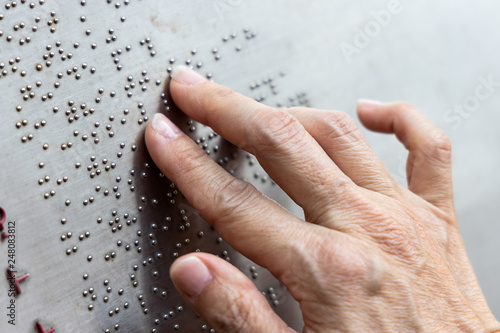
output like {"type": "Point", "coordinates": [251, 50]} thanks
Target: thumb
{"type": "Point", "coordinates": [223, 296]}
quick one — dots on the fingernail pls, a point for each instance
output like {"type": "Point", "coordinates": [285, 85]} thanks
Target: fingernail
{"type": "Point", "coordinates": [165, 127]}
{"type": "Point", "coordinates": [190, 275]}
{"type": "Point", "coordinates": [369, 104]}
{"type": "Point", "coordinates": [185, 75]}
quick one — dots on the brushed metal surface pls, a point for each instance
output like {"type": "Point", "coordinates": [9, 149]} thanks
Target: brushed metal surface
{"type": "Point", "coordinates": [97, 224]}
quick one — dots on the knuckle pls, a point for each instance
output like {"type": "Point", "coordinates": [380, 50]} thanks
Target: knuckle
{"type": "Point", "coordinates": [340, 126]}
{"type": "Point", "coordinates": [438, 146]}
{"type": "Point", "coordinates": [230, 197]}
{"type": "Point", "coordinates": [392, 235]}
{"type": "Point", "coordinates": [341, 188]}
{"type": "Point", "coordinates": [442, 231]}
{"type": "Point", "coordinates": [442, 142]}
{"type": "Point", "coordinates": [189, 160]}
{"type": "Point", "coordinates": [275, 128]}
{"type": "Point", "coordinates": [312, 273]}
{"type": "Point", "coordinates": [350, 263]}
{"type": "Point", "coordinates": [394, 240]}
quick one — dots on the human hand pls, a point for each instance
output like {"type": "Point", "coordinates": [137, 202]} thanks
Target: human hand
{"type": "Point", "coordinates": [370, 256]}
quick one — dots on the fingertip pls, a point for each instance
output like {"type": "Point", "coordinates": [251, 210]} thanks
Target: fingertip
{"type": "Point", "coordinates": [182, 80]}
{"type": "Point", "coordinates": [369, 113]}
{"type": "Point", "coordinates": [186, 90]}
{"type": "Point", "coordinates": [150, 137]}
{"type": "Point", "coordinates": [190, 275]}
{"type": "Point", "coordinates": [381, 117]}
{"type": "Point", "coordinates": [184, 75]}
{"type": "Point", "coordinates": [222, 295]}
{"type": "Point", "coordinates": [369, 105]}
{"type": "Point", "coordinates": [159, 131]}
{"type": "Point", "coordinates": [165, 127]}
{"type": "Point", "coordinates": [366, 107]}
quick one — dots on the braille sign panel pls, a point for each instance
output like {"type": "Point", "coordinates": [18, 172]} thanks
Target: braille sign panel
{"type": "Point", "coordinates": [89, 223]}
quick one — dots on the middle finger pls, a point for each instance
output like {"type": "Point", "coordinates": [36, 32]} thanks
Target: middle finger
{"type": "Point", "coordinates": [279, 141]}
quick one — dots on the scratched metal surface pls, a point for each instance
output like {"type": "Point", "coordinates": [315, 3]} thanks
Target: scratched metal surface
{"type": "Point", "coordinates": [280, 53]}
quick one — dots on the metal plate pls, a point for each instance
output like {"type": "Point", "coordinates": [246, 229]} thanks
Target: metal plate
{"type": "Point", "coordinates": [96, 223]}
{"type": "Point", "coordinates": [430, 54]}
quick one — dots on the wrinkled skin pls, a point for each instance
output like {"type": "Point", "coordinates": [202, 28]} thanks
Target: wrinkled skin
{"type": "Point", "coordinates": [370, 255]}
